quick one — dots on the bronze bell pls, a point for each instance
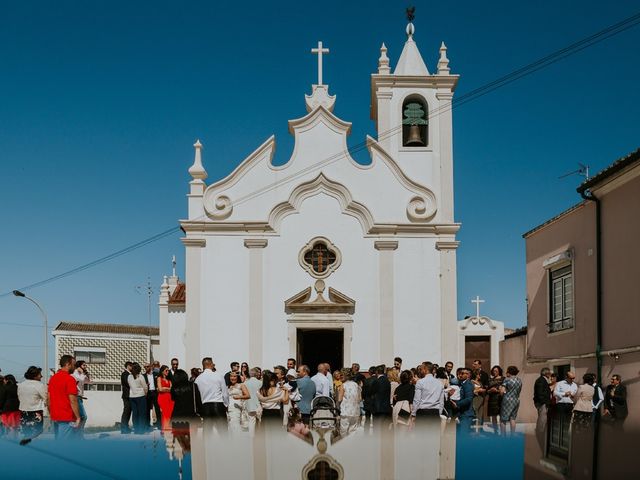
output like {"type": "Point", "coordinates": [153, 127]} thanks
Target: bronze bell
{"type": "Point", "coordinates": [414, 139]}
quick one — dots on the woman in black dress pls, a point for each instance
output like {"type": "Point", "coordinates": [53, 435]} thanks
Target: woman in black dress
{"type": "Point", "coordinates": [183, 394]}
{"type": "Point", "coordinates": [493, 393]}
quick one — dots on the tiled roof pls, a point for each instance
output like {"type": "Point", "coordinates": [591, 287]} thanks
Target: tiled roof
{"type": "Point", "coordinates": [615, 167]}
{"type": "Point", "coordinates": [553, 219]}
{"type": "Point", "coordinates": [108, 328]}
{"type": "Point", "coordinates": [179, 295]}
{"type": "Point", "coordinates": [612, 169]}
{"type": "Point", "coordinates": [516, 333]}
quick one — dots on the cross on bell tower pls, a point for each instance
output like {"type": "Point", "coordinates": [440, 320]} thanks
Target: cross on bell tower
{"type": "Point", "coordinates": [477, 301]}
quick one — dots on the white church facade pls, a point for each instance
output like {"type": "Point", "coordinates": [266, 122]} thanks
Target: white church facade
{"type": "Point", "coordinates": [323, 258]}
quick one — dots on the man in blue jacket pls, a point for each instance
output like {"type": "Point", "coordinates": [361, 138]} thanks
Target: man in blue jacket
{"type": "Point", "coordinates": [464, 405]}
{"type": "Point", "coordinates": [307, 389]}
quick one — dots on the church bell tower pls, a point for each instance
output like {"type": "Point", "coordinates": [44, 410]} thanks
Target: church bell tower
{"type": "Point", "coordinates": [412, 112]}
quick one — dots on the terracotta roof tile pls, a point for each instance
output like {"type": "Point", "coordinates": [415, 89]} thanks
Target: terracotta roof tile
{"type": "Point", "coordinates": [612, 169]}
{"type": "Point", "coordinates": [179, 295]}
{"type": "Point", "coordinates": [108, 328]}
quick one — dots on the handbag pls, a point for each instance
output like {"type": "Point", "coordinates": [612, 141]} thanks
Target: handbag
{"type": "Point", "coordinates": [404, 414]}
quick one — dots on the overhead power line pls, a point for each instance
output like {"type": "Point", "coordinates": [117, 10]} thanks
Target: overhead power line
{"type": "Point", "coordinates": [474, 94]}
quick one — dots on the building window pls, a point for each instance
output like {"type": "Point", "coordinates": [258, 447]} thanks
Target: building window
{"type": "Point", "coordinates": [319, 257]}
{"type": "Point", "coordinates": [561, 298]}
{"type": "Point", "coordinates": [90, 356]}
{"type": "Point", "coordinates": [415, 122]}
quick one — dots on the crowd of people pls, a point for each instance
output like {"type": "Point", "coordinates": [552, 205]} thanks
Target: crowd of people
{"type": "Point", "coordinates": [159, 396]}
{"type": "Point", "coordinates": [245, 397]}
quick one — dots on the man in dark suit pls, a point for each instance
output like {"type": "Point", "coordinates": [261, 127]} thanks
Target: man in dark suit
{"type": "Point", "coordinates": [367, 394]}
{"type": "Point", "coordinates": [126, 404]}
{"type": "Point", "coordinates": [381, 398]}
{"type": "Point", "coordinates": [542, 398]}
{"type": "Point", "coordinates": [465, 404]}
{"type": "Point", "coordinates": [484, 376]}
{"type": "Point", "coordinates": [151, 378]}
{"type": "Point", "coordinates": [615, 403]}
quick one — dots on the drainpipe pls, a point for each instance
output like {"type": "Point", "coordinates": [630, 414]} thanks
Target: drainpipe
{"type": "Point", "coordinates": [589, 196]}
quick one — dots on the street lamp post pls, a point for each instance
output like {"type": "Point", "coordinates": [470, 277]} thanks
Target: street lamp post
{"type": "Point", "coordinates": [18, 293]}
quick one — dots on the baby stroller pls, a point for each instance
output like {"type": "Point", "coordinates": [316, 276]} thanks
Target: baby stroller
{"type": "Point", "coordinates": [324, 413]}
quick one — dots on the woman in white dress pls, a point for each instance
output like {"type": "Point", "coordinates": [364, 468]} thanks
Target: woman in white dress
{"type": "Point", "coordinates": [349, 396]}
{"type": "Point", "coordinates": [236, 412]}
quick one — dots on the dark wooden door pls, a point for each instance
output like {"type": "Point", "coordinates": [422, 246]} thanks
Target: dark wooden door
{"type": "Point", "coordinates": [478, 347]}
{"type": "Point", "coordinates": [319, 346]}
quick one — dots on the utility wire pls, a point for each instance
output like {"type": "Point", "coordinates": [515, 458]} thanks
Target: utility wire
{"type": "Point", "coordinates": [517, 74]}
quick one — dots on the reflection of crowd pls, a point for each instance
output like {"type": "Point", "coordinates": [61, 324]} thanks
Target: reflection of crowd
{"type": "Point", "coordinates": [578, 405]}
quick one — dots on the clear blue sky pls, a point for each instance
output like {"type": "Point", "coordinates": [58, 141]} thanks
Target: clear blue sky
{"type": "Point", "coordinates": [101, 103]}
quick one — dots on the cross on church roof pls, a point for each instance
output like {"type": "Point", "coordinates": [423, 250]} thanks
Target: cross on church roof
{"type": "Point", "coordinates": [477, 301]}
{"type": "Point", "coordinates": [319, 51]}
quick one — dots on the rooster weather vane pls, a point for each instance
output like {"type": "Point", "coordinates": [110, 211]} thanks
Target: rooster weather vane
{"type": "Point", "coordinates": [411, 13]}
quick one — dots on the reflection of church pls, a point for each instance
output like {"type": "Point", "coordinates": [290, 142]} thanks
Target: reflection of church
{"type": "Point", "coordinates": [323, 258]}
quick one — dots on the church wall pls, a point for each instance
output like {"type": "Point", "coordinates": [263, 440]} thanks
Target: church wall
{"type": "Point", "coordinates": [417, 302]}
{"type": "Point", "coordinates": [224, 297]}
{"type": "Point", "coordinates": [226, 279]}
{"type": "Point", "coordinates": [356, 277]}
{"type": "Point", "coordinates": [175, 338]}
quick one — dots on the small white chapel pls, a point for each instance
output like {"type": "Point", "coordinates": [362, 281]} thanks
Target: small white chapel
{"type": "Point", "coordinates": [324, 259]}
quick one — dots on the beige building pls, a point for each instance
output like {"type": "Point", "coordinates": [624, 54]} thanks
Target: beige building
{"type": "Point", "coordinates": [105, 347]}
{"type": "Point", "coordinates": [583, 288]}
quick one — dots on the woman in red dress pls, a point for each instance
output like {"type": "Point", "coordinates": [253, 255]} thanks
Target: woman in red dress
{"type": "Point", "coordinates": [164, 397]}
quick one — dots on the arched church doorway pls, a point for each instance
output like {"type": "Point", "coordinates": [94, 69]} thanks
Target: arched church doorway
{"type": "Point", "coordinates": [323, 345]}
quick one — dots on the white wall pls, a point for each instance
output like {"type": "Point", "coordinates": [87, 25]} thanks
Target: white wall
{"type": "Point", "coordinates": [103, 408]}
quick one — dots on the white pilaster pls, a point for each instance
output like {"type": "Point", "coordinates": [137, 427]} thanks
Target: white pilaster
{"type": "Point", "coordinates": [256, 247]}
{"type": "Point", "coordinates": [386, 283]}
{"type": "Point", "coordinates": [446, 154]}
{"type": "Point", "coordinates": [448, 299]}
{"type": "Point", "coordinates": [193, 276]}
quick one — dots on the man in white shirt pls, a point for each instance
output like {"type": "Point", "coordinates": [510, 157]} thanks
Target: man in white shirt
{"type": "Point", "coordinates": [213, 393]}
{"type": "Point", "coordinates": [564, 394]}
{"type": "Point", "coordinates": [323, 384]}
{"type": "Point", "coordinates": [566, 390]}
{"type": "Point", "coordinates": [428, 400]}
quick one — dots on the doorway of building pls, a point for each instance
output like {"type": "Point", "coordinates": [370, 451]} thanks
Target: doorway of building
{"type": "Point", "coordinates": [477, 347]}
{"type": "Point", "coordinates": [320, 345]}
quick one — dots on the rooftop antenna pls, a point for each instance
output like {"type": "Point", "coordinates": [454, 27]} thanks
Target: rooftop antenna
{"type": "Point", "coordinates": [582, 171]}
{"type": "Point", "coordinates": [148, 291]}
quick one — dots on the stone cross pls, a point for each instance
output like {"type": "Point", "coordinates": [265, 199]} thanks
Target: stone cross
{"type": "Point", "coordinates": [319, 51]}
{"type": "Point", "coordinates": [477, 301]}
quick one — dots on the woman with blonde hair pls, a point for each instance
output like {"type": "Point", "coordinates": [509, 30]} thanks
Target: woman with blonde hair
{"type": "Point", "coordinates": [349, 396]}
{"type": "Point", "coordinates": [393, 375]}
